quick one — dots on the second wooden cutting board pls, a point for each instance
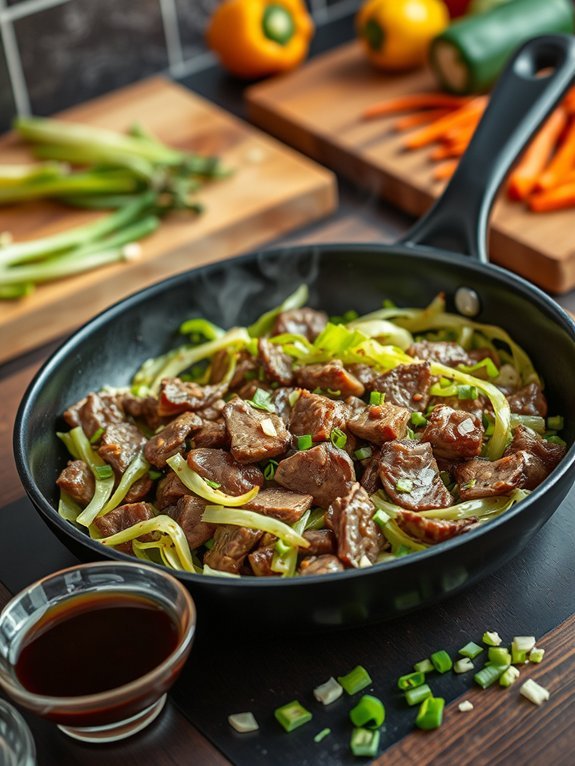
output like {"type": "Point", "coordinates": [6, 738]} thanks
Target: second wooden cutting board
{"type": "Point", "coordinates": [318, 110]}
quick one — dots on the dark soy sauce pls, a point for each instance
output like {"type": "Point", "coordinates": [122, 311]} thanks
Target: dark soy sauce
{"type": "Point", "coordinates": [95, 642]}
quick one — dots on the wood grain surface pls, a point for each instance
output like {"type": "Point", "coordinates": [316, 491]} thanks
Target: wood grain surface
{"type": "Point", "coordinates": [272, 190]}
{"type": "Point", "coordinates": [318, 110]}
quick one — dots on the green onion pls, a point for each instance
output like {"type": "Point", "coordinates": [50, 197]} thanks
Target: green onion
{"type": "Point", "coordinates": [243, 722]}
{"type": "Point", "coordinates": [363, 453]}
{"type": "Point", "coordinates": [441, 661]}
{"type": "Point", "coordinates": [96, 436]}
{"type": "Point", "coordinates": [417, 695]}
{"type": "Point", "coordinates": [292, 715]}
{"type": "Point", "coordinates": [356, 680]}
{"type": "Point", "coordinates": [154, 475]}
{"type": "Point", "coordinates": [417, 419]}
{"type": "Point", "coordinates": [509, 676]}
{"type": "Point", "coordinates": [212, 484]}
{"type": "Point", "coordinates": [282, 548]}
{"type": "Point", "coordinates": [365, 742]}
{"type": "Point", "coordinates": [103, 471]}
{"type": "Point", "coordinates": [376, 397]}
{"type": "Point", "coordinates": [338, 438]}
{"type": "Point", "coordinates": [488, 675]}
{"type": "Point", "coordinates": [463, 665]}
{"type": "Point", "coordinates": [270, 469]}
{"type": "Point", "coordinates": [369, 712]}
{"type": "Point", "coordinates": [104, 486]}
{"type": "Point", "coordinates": [467, 392]}
{"type": "Point", "coordinates": [404, 485]}
{"type": "Point", "coordinates": [535, 693]}
{"type": "Point", "coordinates": [536, 655]}
{"type": "Point", "coordinates": [430, 714]}
{"type": "Point", "coordinates": [534, 422]}
{"type": "Point", "coordinates": [328, 692]}
{"type": "Point", "coordinates": [424, 666]}
{"type": "Point", "coordinates": [471, 650]}
{"type": "Point", "coordinates": [487, 364]}
{"type": "Point", "coordinates": [498, 655]}
{"type": "Point", "coordinates": [410, 681]}
{"type": "Point", "coordinates": [304, 442]}
{"type": "Point", "coordinates": [491, 638]}
{"type": "Point", "coordinates": [556, 440]}
{"type": "Point", "coordinates": [261, 400]}
{"type": "Point", "coordinates": [321, 735]}
{"type": "Point", "coordinates": [555, 423]}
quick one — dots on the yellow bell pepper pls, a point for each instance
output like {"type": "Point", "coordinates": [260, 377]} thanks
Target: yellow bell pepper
{"type": "Point", "coordinates": [253, 38]}
{"type": "Point", "coordinates": [396, 33]}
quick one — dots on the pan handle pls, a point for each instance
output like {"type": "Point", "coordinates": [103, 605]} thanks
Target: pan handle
{"type": "Point", "coordinates": [531, 85]}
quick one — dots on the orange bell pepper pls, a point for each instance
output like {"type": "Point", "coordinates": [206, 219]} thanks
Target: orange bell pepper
{"type": "Point", "coordinates": [254, 38]}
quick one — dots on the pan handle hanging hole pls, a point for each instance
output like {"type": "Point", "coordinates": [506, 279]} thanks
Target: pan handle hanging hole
{"type": "Point", "coordinates": [467, 301]}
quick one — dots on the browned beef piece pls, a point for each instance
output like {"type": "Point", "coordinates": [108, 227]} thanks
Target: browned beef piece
{"type": "Point", "coordinates": [219, 466]}
{"type": "Point", "coordinates": [211, 434]}
{"type": "Point", "coordinates": [548, 453]}
{"type": "Point", "coordinates": [412, 464]}
{"type": "Point", "coordinates": [280, 503]}
{"type": "Point", "coordinates": [406, 386]}
{"type": "Point", "coordinates": [431, 531]}
{"type": "Point", "coordinates": [248, 389]}
{"type": "Point", "coordinates": [370, 480]}
{"type": "Point", "coordinates": [169, 491]}
{"type": "Point", "coordinates": [143, 409]}
{"type": "Point", "coordinates": [95, 412]}
{"type": "Point", "coordinates": [380, 423]}
{"type": "Point", "coordinates": [231, 546]}
{"type": "Point", "coordinates": [483, 478]}
{"type": "Point", "coordinates": [188, 514]}
{"type": "Point", "coordinates": [261, 561]}
{"type": "Point", "coordinates": [249, 442]}
{"type": "Point", "coordinates": [529, 400]}
{"type": "Point", "coordinates": [453, 435]}
{"type": "Point", "coordinates": [139, 490]}
{"type": "Point", "coordinates": [303, 321]}
{"type": "Point", "coordinates": [171, 439]}
{"type": "Point", "coordinates": [325, 472]}
{"type": "Point", "coordinates": [123, 517]}
{"type": "Point", "coordinates": [77, 480]}
{"type": "Point", "coordinates": [355, 405]}
{"type": "Point", "coordinates": [351, 518]}
{"type": "Point", "coordinates": [245, 364]}
{"type": "Point", "coordinates": [319, 565]}
{"type": "Point", "coordinates": [280, 400]}
{"type": "Point", "coordinates": [445, 352]}
{"type": "Point", "coordinates": [317, 415]}
{"type": "Point", "coordinates": [214, 411]}
{"type": "Point", "coordinates": [277, 365]}
{"type": "Point", "coordinates": [365, 374]}
{"type": "Point", "coordinates": [177, 396]}
{"type": "Point", "coordinates": [474, 407]}
{"type": "Point", "coordinates": [332, 376]}
{"type": "Point", "coordinates": [321, 541]}
{"type": "Point", "coordinates": [119, 445]}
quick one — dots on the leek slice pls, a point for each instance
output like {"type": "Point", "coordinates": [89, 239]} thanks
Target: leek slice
{"type": "Point", "coordinates": [67, 508]}
{"type": "Point", "coordinates": [383, 331]}
{"type": "Point", "coordinates": [286, 563]}
{"type": "Point", "coordinates": [252, 520]}
{"type": "Point", "coordinates": [137, 468]}
{"type": "Point", "coordinates": [194, 481]}
{"type": "Point", "coordinates": [103, 488]}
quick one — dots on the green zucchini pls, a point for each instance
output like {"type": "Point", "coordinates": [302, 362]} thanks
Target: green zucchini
{"type": "Point", "coordinates": [471, 53]}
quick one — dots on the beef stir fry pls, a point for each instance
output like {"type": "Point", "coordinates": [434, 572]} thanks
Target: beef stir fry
{"type": "Point", "coordinates": [306, 445]}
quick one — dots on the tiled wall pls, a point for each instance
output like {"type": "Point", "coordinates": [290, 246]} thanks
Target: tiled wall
{"type": "Point", "coordinates": [55, 53]}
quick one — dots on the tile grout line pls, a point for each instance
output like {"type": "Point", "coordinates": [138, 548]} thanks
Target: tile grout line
{"type": "Point", "coordinates": [172, 33]}
{"type": "Point", "coordinates": [29, 7]}
{"type": "Point", "coordinates": [14, 64]}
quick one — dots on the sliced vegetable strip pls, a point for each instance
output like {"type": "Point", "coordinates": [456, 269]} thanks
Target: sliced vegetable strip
{"type": "Point", "coordinates": [430, 133]}
{"type": "Point", "coordinates": [197, 484]}
{"type": "Point", "coordinates": [562, 162]}
{"type": "Point", "coordinates": [412, 102]}
{"type": "Point", "coordinates": [103, 486]}
{"type": "Point", "coordinates": [216, 514]}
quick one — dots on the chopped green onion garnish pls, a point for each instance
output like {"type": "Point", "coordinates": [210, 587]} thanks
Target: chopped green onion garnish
{"type": "Point", "coordinates": [555, 423]}
{"type": "Point", "coordinates": [368, 712]}
{"type": "Point", "coordinates": [212, 484]}
{"type": "Point", "coordinates": [488, 675]}
{"type": "Point", "coordinates": [523, 643]}
{"type": "Point", "coordinates": [463, 665]}
{"type": "Point", "coordinates": [498, 655]}
{"type": "Point", "coordinates": [536, 655]}
{"type": "Point", "coordinates": [363, 453]}
{"type": "Point", "coordinates": [328, 692]}
{"type": "Point", "coordinates": [103, 471]}
{"type": "Point", "coordinates": [292, 715]}
{"type": "Point", "coordinates": [293, 396]}
{"type": "Point", "coordinates": [471, 650]}
{"type": "Point", "coordinates": [96, 436]}
{"type": "Point", "coordinates": [556, 440]}
{"type": "Point", "coordinates": [469, 484]}
{"type": "Point", "coordinates": [404, 485]}
{"type": "Point", "coordinates": [466, 706]}
{"type": "Point", "coordinates": [355, 680]}
{"type": "Point", "coordinates": [338, 438]}
{"type": "Point", "coordinates": [509, 676]}
{"type": "Point", "coordinates": [467, 392]}
{"type": "Point", "coordinates": [441, 661]}
{"type": "Point", "coordinates": [376, 397]}
{"type": "Point", "coordinates": [424, 666]}
{"type": "Point", "coordinates": [365, 742]}
{"type": "Point", "coordinates": [154, 474]}
{"type": "Point", "coordinates": [304, 442]}
{"type": "Point", "coordinates": [487, 364]}
{"type": "Point", "coordinates": [381, 518]}
{"type": "Point", "coordinates": [270, 469]}
{"type": "Point", "coordinates": [430, 714]}
{"type": "Point", "coordinates": [417, 419]}
{"type": "Point", "coordinates": [417, 695]}
{"type": "Point", "coordinates": [411, 681]}
{"type": "Point", "coordinates": [491, 638]}
{"type": "Point", "coordinates": [243, 722]}
{"type": "Point", "coordinates": [535, 693]}
{"type": "Point", "coordinates": [321, 735]}
{"type": "Point", "coordinates": [261, 400]}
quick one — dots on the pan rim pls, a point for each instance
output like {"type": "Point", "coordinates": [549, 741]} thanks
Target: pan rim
{"type": "Point", "coordinates": [529, 291]}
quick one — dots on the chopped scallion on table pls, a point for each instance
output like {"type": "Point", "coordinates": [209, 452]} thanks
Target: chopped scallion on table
{"type": "Point", "coordinates": [356, 680]}
{"type": "Point", "coordinates": [411, 681]}
{"type": "Point", "coordinates": [424, 666]}
{"type": "Point", "coordinates": [471, 650]}
{"type": "Point", "coordinates": [441, 661]}
{"type": "Point", "coordinates": [536, 655]}
{"type": "Point", "coordinates": [369, 712]}
{"type": "Point", "coordinates": [365, 742]}
{"type": "Point", "coordinates": [430, 714]}
{"type": "Point", "coordinates": [328, 692]}
{"type": "Point", "coordinates": [488, 675]}
{"type": "Point", "coordinates": [417, 695]}
{"type": "Point", "coordinates": [292, 715]}
{"type": "Point", "coordinates": [498, 655]}
{"type": "Point", "coordinates": [243, 722]}
{"type": "Point", "coordinates": [491, 638]}
{"type": "Point", "coordinates": [464, 665]}
{"type": "Point", "coordinates": [535, 693]}
{"type": "Point", "coordinates": [509, 676]}
{"type": "Point", "coordinates": [321, 735]}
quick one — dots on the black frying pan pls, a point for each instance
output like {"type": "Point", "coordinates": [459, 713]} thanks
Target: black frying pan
{"type": "Point", "coordinates": [445, 252]}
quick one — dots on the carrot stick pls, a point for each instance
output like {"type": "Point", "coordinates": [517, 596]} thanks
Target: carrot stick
{"type": "Point", "coordinates": [569, 101]}
{"type": "Point", "coordinates": [463, 132]}
{"type": "Point", "coordinates": [524, 178]}
{"type": "Point", "coordinates": [557, 198]}
{"type": "Point", "coordinates": [413, 102]}
{"type": "Point", "coordinates": [447, 151]}
{"type": "Point", "coordinates": [445, 170]}
{"type": "Point", "coordinates": [562, 162]}
{"type": "Point", "coordinates": [419, 118]}
{"type": "Point", "coordinates": [430, 133]}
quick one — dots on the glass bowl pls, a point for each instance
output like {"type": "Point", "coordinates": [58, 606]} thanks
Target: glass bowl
{"type": "Point", "coordinates": [115, 713]}
{"type": "Point", "coordinates": [16, 743]}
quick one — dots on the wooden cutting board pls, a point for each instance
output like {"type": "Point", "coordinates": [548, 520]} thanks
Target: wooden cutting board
{"type": "Point", "coordinates": [317, 109]}
{"type": "Point", "coordinates": [273, 189]}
